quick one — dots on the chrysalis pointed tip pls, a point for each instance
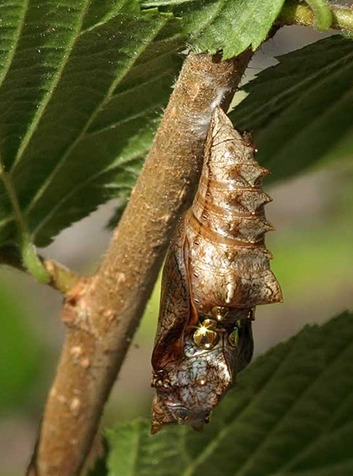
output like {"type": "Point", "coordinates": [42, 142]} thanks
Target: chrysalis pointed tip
{"type": "Point", "coordinates": [155, 428]}
{"type": "Point", "coordinates": [220, 119]}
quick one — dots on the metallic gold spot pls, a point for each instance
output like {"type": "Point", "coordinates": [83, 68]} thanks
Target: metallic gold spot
{"type": "Point", "coordinates": [210, 324]}
{"type": "Point", "coordinates": [219, 312]}
{"type": "Point", "coordinates": [204, 336]}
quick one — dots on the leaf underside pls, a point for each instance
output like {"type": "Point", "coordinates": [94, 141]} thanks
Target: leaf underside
{"type": "Point", "coordinates": [75, 119]}
{"type": "Point", "coordinates": [301, 109]}
{"type": "Point", "coordinates": [230, 26]}
{"type": "Point", "coordinates": [82, 87]}
{"type": "Point", "coordinates": [83, 84]}
{"type": "Point", "coordinates": [289, 414]}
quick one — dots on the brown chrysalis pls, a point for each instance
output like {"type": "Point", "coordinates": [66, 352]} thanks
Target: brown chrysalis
{"type": "Point", "coordinates": [217, 270]}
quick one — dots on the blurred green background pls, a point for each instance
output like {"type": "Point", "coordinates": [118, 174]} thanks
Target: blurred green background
{"type": "Point", "coordinates": [313, 262]}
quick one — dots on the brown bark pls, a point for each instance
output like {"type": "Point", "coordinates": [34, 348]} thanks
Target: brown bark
{"type": "Point", "coordinates": [103, 312]}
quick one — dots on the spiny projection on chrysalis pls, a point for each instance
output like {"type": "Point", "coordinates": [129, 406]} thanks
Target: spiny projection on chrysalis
{"type": "Point", "coordinates": [217, 270]}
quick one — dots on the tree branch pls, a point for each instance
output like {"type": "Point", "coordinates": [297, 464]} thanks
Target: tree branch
{"type": "Point", "coordinates": [103, 312]}
{"type": "Point", "coordinates": [294, 13]}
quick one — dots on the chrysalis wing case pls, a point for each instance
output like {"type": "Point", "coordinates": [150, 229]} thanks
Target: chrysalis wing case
{"type": "Point", "coordinates": [217, 270]}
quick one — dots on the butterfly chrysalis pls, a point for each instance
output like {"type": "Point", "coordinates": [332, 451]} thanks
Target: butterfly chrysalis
{"type": "Point", "coordinates": [217, 270]}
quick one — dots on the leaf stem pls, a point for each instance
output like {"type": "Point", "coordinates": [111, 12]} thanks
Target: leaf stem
{"type": "Point", "coordinates": [294, 13]}
{"type": "Point", "coordinates": [6, 178]}
{"type": "Point", "coordinates": [32, 261]}
{"type": "Point", "coordinates": [29, 255]}
{"type": "Point", "coordinates": [61, 278]}
{"type": "Point", "coordinates": [44, 271]}
{"type": "Point", "coordinates": [322, 14]}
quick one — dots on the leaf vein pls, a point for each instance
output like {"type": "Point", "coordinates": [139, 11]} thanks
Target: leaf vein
{"type": "Point", "coordinates": [19, 30]}
{"type": "Point", "coordinates": [223, 433]}
{"type": "Point", "coordinates": [78, 187]}
{"type": "Point", "coordinates": [93, 116]}
{"type": "Point", "coordinates": [49, 94]}
{"type": "Point", "coordinates": [296, 458]}
{"type": "Point", "coordinates": [289, 92]}
{"type": "Point", "coordinates": [305, 130]}
{"type": "Point", "coordinates": [288, 410]}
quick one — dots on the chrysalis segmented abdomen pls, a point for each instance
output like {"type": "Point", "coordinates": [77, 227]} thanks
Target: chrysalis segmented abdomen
{"type": "Point", "coordinates": [226, 224]}
{"type": "Point", "coordinates": [217, 270]}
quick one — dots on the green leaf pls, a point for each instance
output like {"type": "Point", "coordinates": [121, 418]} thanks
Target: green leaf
{"type": "Point", "coordinates": [300, 110]}
{"type": "Point", "coordinates": [75, 119]}
{"type": "Point", "coordinates": [135, 452]}
{"type": "Point", "coordinates": [289, 414]}
{"type": "Point", "coordinates": [322, 13]}
{"type": "Point", "coordinates": [228, 25]}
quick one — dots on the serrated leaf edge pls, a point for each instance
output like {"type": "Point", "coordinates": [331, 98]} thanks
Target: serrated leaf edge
{"type": "Point", "coordinates": [212, 445]}
{"type": "Point", "coordinates": [107, 97]}
{"type": "Point", "coordinates": [49, 94]}
{"type": "Point", "coordinates": [331, 67]}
